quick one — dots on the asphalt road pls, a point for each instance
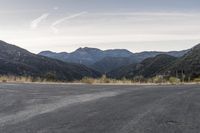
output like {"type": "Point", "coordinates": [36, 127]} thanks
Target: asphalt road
{"type": "Point", "coordinates": [35, 108]}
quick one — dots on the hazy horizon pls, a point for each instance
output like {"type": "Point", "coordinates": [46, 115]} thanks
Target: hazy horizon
{"type": "Point", "coordinates": [135, 25]}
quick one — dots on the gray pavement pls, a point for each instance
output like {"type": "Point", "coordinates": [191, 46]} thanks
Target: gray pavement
{"type": "Point", "coordinates": [51, 108]}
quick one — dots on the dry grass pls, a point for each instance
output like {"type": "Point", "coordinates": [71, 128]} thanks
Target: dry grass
{"type": "Point", "coordinates": [21, 79]}
{"type": "Point", "coordinates": [102, 80]}
{"type": "Point", "coordinates": [155, 80]}
{"type": "Point", "coordinates": [105, 80]}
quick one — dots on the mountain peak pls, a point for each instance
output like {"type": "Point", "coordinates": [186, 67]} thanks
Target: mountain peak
{"type": "Point", "coordinates": [87, 49]}
{"type": "Point", "coordinates": [47, 52]}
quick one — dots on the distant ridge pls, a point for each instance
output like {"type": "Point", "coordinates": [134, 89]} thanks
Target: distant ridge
{"type": "Point", "coordinates": [87, 56]}
{"type": "Point", "coordinates": [107, 60]}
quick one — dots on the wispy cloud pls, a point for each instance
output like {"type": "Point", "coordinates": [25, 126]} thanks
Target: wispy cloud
{"type": "Point", "coordinates": [180, 14]}
{"type": "Point", "coordinates": [53, 26]}
{"type": "Point", "coordinates": [34, 24]}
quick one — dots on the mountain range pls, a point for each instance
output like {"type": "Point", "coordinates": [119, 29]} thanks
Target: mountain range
{"type": "Point", "coordinates": [92, 62]}
{"type": "Point", "coordinates": [20, 62]}
{"type": "Point", "coordinates": [108, 60]}
{"type": "Point", "coordinates": [86, 56]}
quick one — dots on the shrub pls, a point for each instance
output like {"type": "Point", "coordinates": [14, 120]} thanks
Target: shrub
{"type": "Point", "coordinates": [139, 78]}
{"type": "Point", "coordinates": [87, 80]}
{"type": "Point", "coordinates": [50, 76]}
{"type": "Point", "coordinates": [104, 79]}
{"type": "Point", "coordinates": [158, 79]}
{"type": "Point", "coordinates": [197, 80]}
{"type": "Point", "coordinates": [174, 80]}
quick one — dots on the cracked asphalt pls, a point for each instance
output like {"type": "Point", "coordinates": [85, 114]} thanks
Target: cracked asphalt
{"type": "Point", "coordinates": [65, 108]}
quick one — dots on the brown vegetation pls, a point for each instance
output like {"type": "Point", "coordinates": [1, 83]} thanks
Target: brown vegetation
{"type": "Point", "coordinates": [102, 80]}
{"type": "Point", "coordinates": [21, 79]}
{"type": "Point", "coordinates": [137, 80]}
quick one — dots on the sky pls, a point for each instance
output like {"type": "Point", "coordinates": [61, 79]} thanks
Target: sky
{"type": "Point", "coordinates": [65, 25]}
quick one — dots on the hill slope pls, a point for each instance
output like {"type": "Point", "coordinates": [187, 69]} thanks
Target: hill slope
{"type": "Point", "coordinates": [148, 68]}
{"type": "Point", "coordinates": [17, 61]}
{"type": "Point", "coordinates": [108, 64]}
{"type": "Point", "coordinates": [188, 65]}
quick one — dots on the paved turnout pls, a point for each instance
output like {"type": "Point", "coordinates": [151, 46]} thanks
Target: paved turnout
{"type": "Point", "coordinates": [37, 108]}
